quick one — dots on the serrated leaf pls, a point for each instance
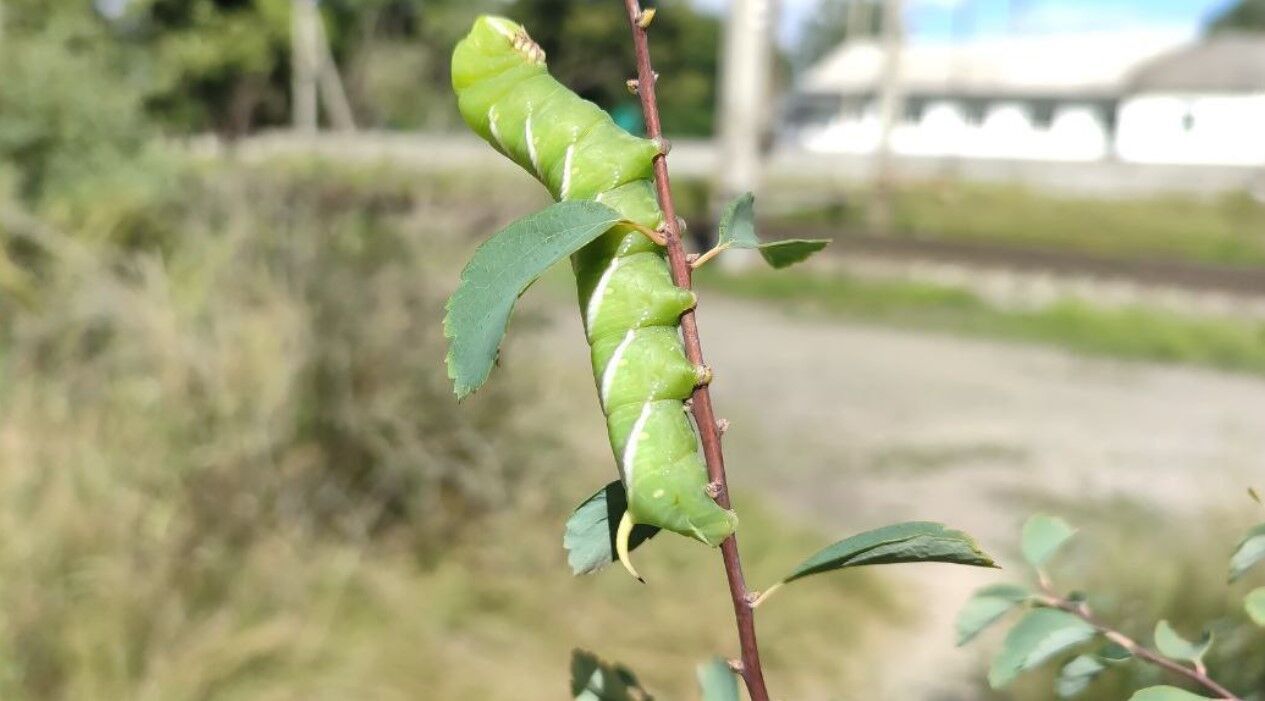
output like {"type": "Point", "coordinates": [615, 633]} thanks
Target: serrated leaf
{"type": "Point", "coordinates": [737, 230]}
{"type": "Point", "coordinates": [1043, 536]}
{"type": "Point", "coordinates": [717, 681]}
{"type": "Point", "coordinates": [1077, 675]}
{"type": "Point", "coordinates": [501, 270]}
{"type": "Point", "coordinates": [916, 541]}
{"type": "Point", "coordinates": [590, 534]}
{"type": "Point", "coordinates": [593, 679]}
{"type": "Point", "coordinates": [1037, 637]}
{"type": "Point", "coordinates": [1254, 603]}
{"type": "Point", "coordinates": [788, 252]}
{"type": "Point", "coordinates": [985, 607]}
{"type": "Point", "coordinates": [1250, 551]}
{"type": "Point", "coordinates": [1174, 646]}
{"type": "Point", "coordinates": [1165, 693]}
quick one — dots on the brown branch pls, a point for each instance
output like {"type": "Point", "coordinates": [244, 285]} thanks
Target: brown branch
{"type": "Point", "coordinates": [704, 416]}
{"type": "Point", "coordinates": [1081, 610]}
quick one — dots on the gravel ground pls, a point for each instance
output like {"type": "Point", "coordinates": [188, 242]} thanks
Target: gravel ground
{"type": "Point", "coordinates": [847, 427]}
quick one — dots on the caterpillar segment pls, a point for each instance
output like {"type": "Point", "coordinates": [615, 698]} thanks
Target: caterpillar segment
{"type": "Point", "coordinates": [630, 307]}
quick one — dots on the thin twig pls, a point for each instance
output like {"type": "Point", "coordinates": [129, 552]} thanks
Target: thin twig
{"type": "Point", "coordinates": [704, 417]}
{"type": "Point", "coordinates": [1081, 610]}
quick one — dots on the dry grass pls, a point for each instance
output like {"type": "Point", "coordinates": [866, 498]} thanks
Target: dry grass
{"type": "Point", "coordinates": [231, 468]}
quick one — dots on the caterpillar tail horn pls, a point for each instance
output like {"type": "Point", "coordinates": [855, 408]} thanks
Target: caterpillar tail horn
{"type": "Point", "coordinates": [622, 534]}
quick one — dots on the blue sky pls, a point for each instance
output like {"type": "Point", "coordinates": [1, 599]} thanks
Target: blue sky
{"type": "Point", "coordinates": [935, 19]}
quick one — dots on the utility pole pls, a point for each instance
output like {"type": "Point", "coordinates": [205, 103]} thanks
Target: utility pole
{"type": "Point", "coordinates": [745, 110]}
{"type": "Point", "coordinates": [891, 111]}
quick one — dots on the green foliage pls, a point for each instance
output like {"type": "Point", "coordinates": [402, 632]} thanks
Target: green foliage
{"type": "Point", "coordinates": [1038, 637]}
{"type": "Point", "coordinates": [717, 681]}
{"type": "Point", "coordinates": [1042, 537]}
{"type": "Point", "coordinates": [590, 533]}
{"type": "Point", "coordinates": [501, 270]}
{"type": "Point", "coordinates": [589, 51]}
{"type": "Point", "coordinates": [1240, 15]}
{"type": "Point", "coordinates": [68, 111]}
{"type": "Point", "coordinates": [917, 541]}
{"type": "Point", "coordinates": [593, 679]}
{"type": "Point", "coordinates": [1249, 552]}
{"type": "Point", "coordinates": [737, 230]}
{"type": "Point", "coordinates": [986, 607]}
{"type": "Point", "coordinates": [1059, 623]}
{"type": "Point", "coordinates": [1174, 646]}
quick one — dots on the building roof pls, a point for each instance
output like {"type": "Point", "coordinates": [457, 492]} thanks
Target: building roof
{"type": "Point", "coordinates": [1221, 63]}
{"type": "Point", "coordinates": [1080, 65]}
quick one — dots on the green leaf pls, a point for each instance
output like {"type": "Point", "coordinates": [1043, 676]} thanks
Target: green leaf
{"type": "Point", "coordinates": [593, 679]}
{"type": "Point", "coordinates": [1174, 646]}
{"type": "Point", "coordinates": [717, 681]}
{"type": "Point", "coordinates": [1077, 675]}
{"type": "Point", "coordinates": [1037, 637]}
{"type": "Point", "coordinates": [590, 535]}
{"type": "Point", "coordinates": [501, 270]}
{"type": "Point", "coordinates": [788, 252]}
{"type": "Point", "coordinates": [1255, 605]}
{"type": "Point", "coordinates": [1249, 552]}
{"type": "Point", "coordinates": [1165, 693]}
{"type": "Point", "coordinates": [917, 541]}
{"type": "Point", "coordinates": [1043, 536]}
{"type": "Point", "coordinates": [985, 607]}
{"type": "Point", "coordinates": [737, 230]}
{"type": "Point", "coordinates": [737, 223]}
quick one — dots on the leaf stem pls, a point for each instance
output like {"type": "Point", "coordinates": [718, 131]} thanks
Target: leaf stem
{"type": "Point", "coordinates": [704, 416]}
{"type": "Point", "coordinates": [1081, 609]}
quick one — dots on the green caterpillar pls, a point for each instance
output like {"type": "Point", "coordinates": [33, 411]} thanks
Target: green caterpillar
{"type": "Point", "coordinates": [630, 306]}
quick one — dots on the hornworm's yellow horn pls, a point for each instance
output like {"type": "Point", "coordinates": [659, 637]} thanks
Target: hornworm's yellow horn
{"type": "Point", "coordinates": [622, 534]}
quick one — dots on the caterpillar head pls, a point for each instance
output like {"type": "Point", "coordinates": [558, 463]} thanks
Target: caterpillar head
{"type": "Point", "coordinates": [493, 46]}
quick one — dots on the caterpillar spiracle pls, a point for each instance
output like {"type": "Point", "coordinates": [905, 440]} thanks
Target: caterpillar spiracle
{"type": "Point", "coordinates": [631, 309]}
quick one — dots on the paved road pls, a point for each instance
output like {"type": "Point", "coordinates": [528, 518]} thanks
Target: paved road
{"type": "Point", "coordinates": [848, 427]}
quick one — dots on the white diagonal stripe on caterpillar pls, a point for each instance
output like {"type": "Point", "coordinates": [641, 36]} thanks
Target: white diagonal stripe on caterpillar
{"type": "Point", "coordinates": [565, 190]}
{"type": "Point", "coordinates": [531, 143]}
{"type": "Point", "coordinates": [630, 450]}
{"type": "Point", "coordinates": [612, 366]}
{"type": "Point", "coordinates": [496, 133]}
{"type": "Point", "coordinates": [595, 300]}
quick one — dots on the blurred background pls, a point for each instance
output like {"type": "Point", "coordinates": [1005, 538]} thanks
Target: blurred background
{"type": "Point", "coordinates": [231, 466]}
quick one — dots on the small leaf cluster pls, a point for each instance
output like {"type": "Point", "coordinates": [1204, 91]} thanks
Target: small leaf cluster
{"type": "Point", "coordinates": [1054, 628]}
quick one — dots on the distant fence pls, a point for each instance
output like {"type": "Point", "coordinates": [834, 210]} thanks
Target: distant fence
{"type": "Point", "coordinates": [697, 158]}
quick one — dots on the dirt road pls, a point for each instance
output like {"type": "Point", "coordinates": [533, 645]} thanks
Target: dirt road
{"type": "Point", "coordinates": [848, 427]}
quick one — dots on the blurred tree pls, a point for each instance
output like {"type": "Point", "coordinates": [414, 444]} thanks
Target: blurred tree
{"type": "Point", "coordinates": [829, 26]}
{"type": "Point", "coordinates": [1240, 15]}
{"type": "Point", "coordinates": [588, 49]}
{"type": "Point", "coordinates": [69, 106]}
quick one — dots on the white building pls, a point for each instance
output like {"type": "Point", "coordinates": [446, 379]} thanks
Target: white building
{"type": "Point", "coordinates": [1145, 97]}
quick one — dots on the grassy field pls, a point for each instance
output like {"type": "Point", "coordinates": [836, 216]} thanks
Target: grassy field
{"type": "Point", "coordinates": [1226, 230]}
{"type": "Point", "coordinates": [1134, 333]}
{"type": "Point", "coordinates": [231, 466]}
